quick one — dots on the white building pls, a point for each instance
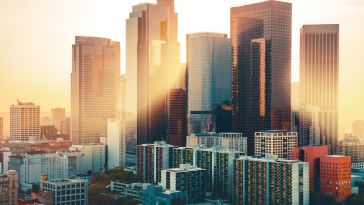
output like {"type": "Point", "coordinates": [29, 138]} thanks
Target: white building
{"type": "Point", "coordinates": [24, 121]}
{"type": "Point", "coordinates": [231, 141]}
{"type": "Point", "coordinates": [70, 191]}
{"type": "Point", "coordinates": [94, 157]}
{"type": "Point", "coordinates": [275, 142]}
{"type": "Point", "coordinates": [4, 160]}
{"type": "Point", "coordinates": [116, 144]}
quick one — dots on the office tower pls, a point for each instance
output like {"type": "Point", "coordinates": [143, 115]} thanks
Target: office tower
{"type": "Point", "coordinates": [270, 181]}
{"type": "Point", "coordinates": [230, 141]}
{"type": "Point", "coordinates": [335, 176]}
{"type": "Point", "coordinates": [319, 76]}
{"type": "Point", "coordinates": [209, 79]}
{"type": "Point", "coordinates": [94, 81]}
{"type": "Point", "coordinates": [24, 121]}
{"type": "Point", "coordinates": [94, 159]}
{"type": "Point", "coordinates": [186, 178]}
{"type": "Point", "coordinates": [1, 128]}
{"type": "Point", "coordinates": [306, 122]}
{"type": "Point", "coordinates": [4, 160]}
{"type": "Point", "coordinates": [352, 147]}
{"type": "Point", "coordinates": [183, 155]}
{"type": "Point", "coordinates": [65, 191]}
{"type": "Point", "coordinates": [66, 126]}
{"type": "Point", "coordinates": [48, 131]}
{"type": "Point", "coordinates": [177, 120]}
{"type": "Point", "coordinates": [116, 144]}
{"type": "Point", "coordinates": [58, 115]}
{"type": "Point", "coordinates": [275, 142]}
{"type": "Point", "coordinates": [261, 69]}
{"type": "Point", "coordinates": [295, 95]}
{"type": "Point", "coordinates": [9, 185]}
{"type": "Point", "coordinates": [152, 58]}
{"type": "Point", "coordinates": [152, 159]}
{"type": "Point", "coordinates": [311, 154]}
{"type": "Point", "coordinates": [358, 128]}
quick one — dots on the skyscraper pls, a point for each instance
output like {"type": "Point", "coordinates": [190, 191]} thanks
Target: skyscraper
{"type": "Point", "coordinates": [177, 120]}
{"type": "Point", "coordinates": [319, 76]}
{"type": "Point", "coordinates": [209, 78]}
{"type": "Point", "coordinates": [152, 60]}
{"type": "Point", "coordinates": [58, 115]}
{"type": "Point", "coordinates": [295, 95]}
{"type": "Point", "coordinates": [94, 81]}
{"type": "Point", "coordinates": [261, 68]}
{"type": "Point", "coordinates": [24, 121]}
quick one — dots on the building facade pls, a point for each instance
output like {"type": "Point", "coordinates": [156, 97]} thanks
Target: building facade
{"type": "Point", "coordinates": [58, 115]}
{"type": "Point", "coordinates": [9, 185]}
{"type": "Point", "coordinates": [335, 176]}
{"type": "Point", "coordinates": [209, 79]}
{"type": "Point", "coordinates": [94, 81]}
{"type": "Point", "coordinates": [24, 121]}
{"type": "Point", "coordinates": [116, 144]}
{"type": "Point", "coordinates": [306, 122]}
{"type": "Point", "coordinates": [186, 178]}
{"type": "Point", "coordinates": [352, 147]}
{"type": "Point", "coordinates": [261, 67]}
{"type": "Point", "coordinates": [270, 181]}
{"type": "Point", "coordinates": [319, 76]}
{"type": "Point", "coordinates": [275, 142]}
{"type": "Point", "coordinates": [230, 141]}
{"type": "Point", "coordinates": [311, 154]}
{"type": "Point", "coordinates": [177, 119]}
{"type": "Point", "coordinates": [94, 157]}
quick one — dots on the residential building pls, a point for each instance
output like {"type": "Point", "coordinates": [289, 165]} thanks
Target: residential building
{"type": "Point", "coordinates": [311, 154]}
{"type": "Point", "coordinates": [116, 144]}
{"type": "Point", "coordinates": [352, 147]}
{"type": "Point", "coordinates": [186, 178]}
{"type": "Point", "coordinates": [94, 157]}
{"type": "Point", "coordinates": [335, 176]}
{"type": "Point", "coordinates": [209, 79]}
{"type": "Point", "coordinates": [24, 121]}
{"type": "Point", "coordinates": [261, 36]}
{"type": "Point", "coordinates": [230, 141]}
{"type": "Point", "coordinates": [152, 59]}
{"type": "Point", "coordinates": [183, 155]}
{"type": "Point", "coordinates": [319, 76]}
{"type": "Point", "coordinates": [270, 180]}
{"type": "Point", "coordinates": [275, 142]}
{"type": "Point", "coordinates": [9, 185]}
{"type": "Point", "coordinates": [152, 159]}
{"type": "Point", "coordinates": [94, 85]}
{"type": "Point", "coordinates": [65, 191]}
{"type": "Point", "coordinates": [58, 115]}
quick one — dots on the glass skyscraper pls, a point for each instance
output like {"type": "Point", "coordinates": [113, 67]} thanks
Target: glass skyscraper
{"type": "Point", "coordinates": [261, 36]}
{"type": "Point", "coordinates": [209, 79]}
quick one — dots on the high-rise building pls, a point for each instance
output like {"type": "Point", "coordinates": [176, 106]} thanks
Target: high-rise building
{"type": "Point", "coordinates": [1, 128]}
{"type": "Point", "coordinates": [48, 131]}
{"type": "Point", "coordinates": [275, 142]}
{"type": "Point", "coordinates": [66, 126]}
{"type": "Point", "coordinates": [152, 59]}
{"type": "Point", "coordinates": [352, 147]}
{"type": "Point", "coordinates": [9, 185]}
{"type": "Point", "coordinates": [335, 176]}
{"type": "Point", "coordinates": [65, 191]}
{"type": "Point", "coordinates": [116, 144]}
{"type": "Point", "coordinates": [229, 141]}
{"type": "Point", "coordinates": [306, 122]}
{"type": "Point", "coordinates": [4, 160]}
{"type": "Point", "coordinates": [94, 82]}
{"type": "Point", "coordinates": [261, 67]}
{"type": "Point", "coordinates": [177, 120]}
{"type": "Point", "coordinates": [24, 121]}
{"type": "Point", "coordinates": [270, 181]}
{"type": "Point", "coordinates": [319, 76]}
{"type": "Point", "coordinates": [311, 154]}
{"type": "Point", "coordinates": [183, 155]}
{"type": "Point", "coordinates": [186, 178]}
{"type": "Point", "coordinates": [358, 128]}
{"type": "Point", "coordinates": [295, 95]}
{"type": "Point", "coordinates": [58, 115]}
{"type": "Point", "coordinates": [209, 79]}
{"type": "Point", "coordinates": [152, 159]}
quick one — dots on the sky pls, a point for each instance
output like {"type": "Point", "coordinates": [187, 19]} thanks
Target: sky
{"type": "Point", "coordinates": [36, 38]}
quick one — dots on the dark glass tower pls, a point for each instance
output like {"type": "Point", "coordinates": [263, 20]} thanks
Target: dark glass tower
{"type": "Point", "coordinates": [261, 97]}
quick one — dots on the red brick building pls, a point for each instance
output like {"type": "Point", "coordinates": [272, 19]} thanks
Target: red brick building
{"type": "Point", "coordinates": [335, 175]}
{"type": "Point", "coordinates": [311, 154]}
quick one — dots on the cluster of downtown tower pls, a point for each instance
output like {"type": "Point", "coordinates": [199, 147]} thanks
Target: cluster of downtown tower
{"type": "Point", "coordinates": [240, 84]}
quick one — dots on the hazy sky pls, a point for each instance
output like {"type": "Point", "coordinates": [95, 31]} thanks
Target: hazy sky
{"type": "Point", "coordinates": [36, 38]}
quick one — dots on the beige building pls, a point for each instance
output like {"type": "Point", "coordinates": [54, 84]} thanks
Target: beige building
{"type": "Point", "coordinates": [275, 142]}
{"type": "Point", "coordinates": [9, 185]}
{"type": "Point", "coordinates": [95, 79]}
{"type": "Point", "coordinates": [24, 121]}
{"type": "Point", "coordinates": [58, 115]}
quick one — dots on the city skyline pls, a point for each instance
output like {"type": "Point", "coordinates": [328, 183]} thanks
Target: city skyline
{"type": "Point", "coordinates": [25, 37]}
